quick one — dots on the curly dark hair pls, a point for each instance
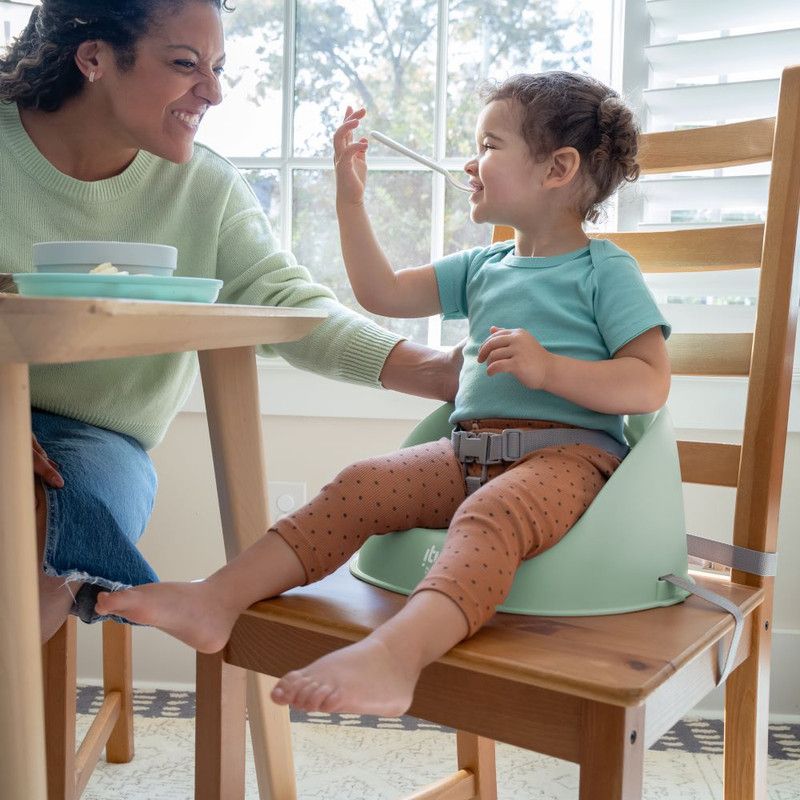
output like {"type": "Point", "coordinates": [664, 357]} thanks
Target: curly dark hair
{"type": "Point", "coordinates": [564, 109]}
{"type": "Point", "coordinates": [39, 70]}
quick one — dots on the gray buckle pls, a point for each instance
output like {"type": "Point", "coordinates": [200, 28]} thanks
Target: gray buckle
{"type": "Point", "coordinates": [470, 447]}
{"type": "Point", "coordinates": [512, 444]}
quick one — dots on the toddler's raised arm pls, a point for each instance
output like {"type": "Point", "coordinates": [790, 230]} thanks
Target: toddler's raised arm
{"type": "Point", "coordinates": [406, 293]}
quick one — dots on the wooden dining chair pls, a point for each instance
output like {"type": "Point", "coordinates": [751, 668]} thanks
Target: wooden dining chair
{"type": "Point", "coordinates": [597, 691]}
{"type": "Point", "coordinates": [68, 769]}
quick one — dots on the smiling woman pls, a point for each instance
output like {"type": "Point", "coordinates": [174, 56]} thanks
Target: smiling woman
{"type": "Point", "coordinates": [141, 91]}
{"type": "Point", "coordinates": [100, 101]}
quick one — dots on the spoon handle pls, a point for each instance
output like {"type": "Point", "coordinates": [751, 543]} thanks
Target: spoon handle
{"type": "Point", "coordinates": [383, 139]}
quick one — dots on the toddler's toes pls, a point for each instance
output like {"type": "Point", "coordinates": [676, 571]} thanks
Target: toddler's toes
{"type": "Point", "coordinates": [306, 688]}
{"type": "Point", "coordinates": [285, 690]}
{"type": "Point", "coordinates": [314, 700]}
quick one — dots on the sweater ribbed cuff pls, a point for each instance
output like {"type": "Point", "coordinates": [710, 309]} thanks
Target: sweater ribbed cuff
{"type": "Point", "coordinates": [364, 359]}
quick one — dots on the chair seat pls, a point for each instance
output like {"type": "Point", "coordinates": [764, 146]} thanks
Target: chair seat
{"type": "Point", "coordinates": [545, 661]}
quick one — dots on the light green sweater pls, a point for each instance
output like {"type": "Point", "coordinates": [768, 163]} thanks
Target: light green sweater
{"type": "Point", "coordinates": [205, 209]}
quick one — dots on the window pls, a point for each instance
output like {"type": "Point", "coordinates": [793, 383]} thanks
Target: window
{"type": "Point", "coordinates": [416, 66]}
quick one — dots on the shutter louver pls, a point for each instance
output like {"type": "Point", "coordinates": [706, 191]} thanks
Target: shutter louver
{"type": "Point", "coordinates": [710, 63]}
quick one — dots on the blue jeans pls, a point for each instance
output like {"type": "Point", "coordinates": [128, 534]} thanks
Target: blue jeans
{"type": "Point", "coordinates": [96, 518]}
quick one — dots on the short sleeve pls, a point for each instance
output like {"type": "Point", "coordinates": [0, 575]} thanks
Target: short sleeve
{"type": "Point", "coordinates": [452, 273]}
{"type": "Point", "coordinates": [623, 305]}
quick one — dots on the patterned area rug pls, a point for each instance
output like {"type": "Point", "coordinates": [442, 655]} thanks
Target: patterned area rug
{"type": "Point", "coordinates": [347, 761]}
{"type": "Point", "coordinates": [689, 735]}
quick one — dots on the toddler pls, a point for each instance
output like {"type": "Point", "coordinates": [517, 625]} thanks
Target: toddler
{"type": "Point", "coordinates": [564, 339]}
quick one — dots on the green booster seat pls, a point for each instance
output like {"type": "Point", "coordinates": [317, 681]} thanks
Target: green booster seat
{"type": "Point", "coordinates": [610, 562]}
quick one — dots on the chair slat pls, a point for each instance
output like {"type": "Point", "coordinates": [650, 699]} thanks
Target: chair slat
{"type": "Point", "coordinates": [710, 353]}
{"type": "Point", "coordinates": [707, 148]}
{"type": "Point", "coordinates": [710, 463]}
{"type": "Point", "coordinates": [701, 249]}
{"type": "Point", "coordinates": [502, 233]}
{"type": "Point", "coordinates": [693, 250]}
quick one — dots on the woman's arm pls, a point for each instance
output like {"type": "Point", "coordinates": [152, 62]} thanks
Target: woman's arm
{"type": "Point", "coordinates": [635, 380]}
{"type": "Point", "coordinates": [379, 289]}
{"type": "Point", "coordinates": [416, 369]}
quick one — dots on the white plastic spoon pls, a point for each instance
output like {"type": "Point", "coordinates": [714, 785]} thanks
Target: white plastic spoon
{"type": "Point", "coordinates": [383, 139]}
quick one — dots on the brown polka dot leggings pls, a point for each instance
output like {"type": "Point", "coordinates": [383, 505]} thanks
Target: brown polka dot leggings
{"type": "Point", "coordinates": [524, 508]}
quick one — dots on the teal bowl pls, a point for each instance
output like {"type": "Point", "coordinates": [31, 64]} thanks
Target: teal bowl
{"type": "Point", "coordinates": [135, 258]}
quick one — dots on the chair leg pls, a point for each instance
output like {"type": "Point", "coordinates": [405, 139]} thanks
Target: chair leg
{"type": "Point", "coordinates": [220, 730]}
{"type": "Point", "coordinates": [612, 752]}
{"type": "Point", "coordinates": [747, 719]}
{"type": "Point", "coordinates": [117, 677]}
{"type": "Point", "coordinates": [476, 754]}
{"type": "Point", "coordinates": [59, 668]}
{"type": "Point", "coordinates": [272, 740]}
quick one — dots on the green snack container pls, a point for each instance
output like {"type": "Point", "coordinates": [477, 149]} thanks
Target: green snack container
{"type": "Point", "coordinates": [609, 563]}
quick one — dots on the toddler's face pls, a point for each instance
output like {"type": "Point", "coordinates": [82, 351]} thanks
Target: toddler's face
{"type": "Point", "coordinates": [507, 182]}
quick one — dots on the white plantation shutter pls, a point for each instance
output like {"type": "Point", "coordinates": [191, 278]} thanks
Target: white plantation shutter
{"type": "Point", "coordinates": [705, 62]}
{"type": "Point", "coordinates": [712, 61]}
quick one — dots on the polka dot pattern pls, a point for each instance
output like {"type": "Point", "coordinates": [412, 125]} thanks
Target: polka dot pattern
{"type": "Point", "coordinates": [524, 508]}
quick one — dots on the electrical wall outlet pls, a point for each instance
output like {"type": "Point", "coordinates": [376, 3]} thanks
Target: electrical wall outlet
{"type": "Point", "coordinates": [284, 498]}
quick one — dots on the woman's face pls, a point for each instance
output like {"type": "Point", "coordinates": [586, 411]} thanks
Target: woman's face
{"type": "Point", "coordinates": [158, 103]}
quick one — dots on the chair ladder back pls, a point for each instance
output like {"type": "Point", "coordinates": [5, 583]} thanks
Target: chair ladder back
{"type": "Point", "coordinates": [710, 147]}
{"type": "Point", "coordinates": [693, 250]}
{"type": "Point", "coordinates": [767, 410]}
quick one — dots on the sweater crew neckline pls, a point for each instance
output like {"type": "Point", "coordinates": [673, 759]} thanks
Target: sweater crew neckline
{"type": "Point", "coordinates": [538, 262]}
{"type": "Point", "coordinates": [52, 179]}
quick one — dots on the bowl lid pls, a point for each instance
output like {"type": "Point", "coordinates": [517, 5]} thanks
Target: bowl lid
{"type": "Point", "coordinates": [118, 253]}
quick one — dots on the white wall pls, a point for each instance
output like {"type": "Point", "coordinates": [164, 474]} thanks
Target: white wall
{"type": "Point", "coordinates": [184, 540]}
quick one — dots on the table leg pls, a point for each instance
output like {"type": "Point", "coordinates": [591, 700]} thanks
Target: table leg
{"type": "Point", "coordinates": [22, 751]}
{"type": "Point", "coordinates": [230, 387]}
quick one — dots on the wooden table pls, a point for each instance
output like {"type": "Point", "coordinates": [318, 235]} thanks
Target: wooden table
{"type": "Point", "coordinates": [50, 330]}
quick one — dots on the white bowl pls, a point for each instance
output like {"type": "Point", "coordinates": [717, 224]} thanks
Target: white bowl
{"type": "Point", "coordinates": [132, 257]}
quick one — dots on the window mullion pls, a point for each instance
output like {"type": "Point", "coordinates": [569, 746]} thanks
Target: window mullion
{"type": "Point", "coordinates": [438, 192]}
{"type": "Point", "coordinates": [631, 74]}
{"type": "Point", "coordinates": [287, 120]}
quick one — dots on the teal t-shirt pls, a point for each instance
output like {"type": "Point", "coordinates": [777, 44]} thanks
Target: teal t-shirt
{"type": "Point", "coordinates": [585, 304]}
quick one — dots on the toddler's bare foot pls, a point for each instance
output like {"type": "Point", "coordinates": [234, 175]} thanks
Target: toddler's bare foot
{"type": "Point", "coordinates": [191, 612]}
{"type": "Point", "coordinates": [364, 678]}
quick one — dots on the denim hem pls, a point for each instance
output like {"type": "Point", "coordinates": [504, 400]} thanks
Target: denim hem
{"type": "Point", "coordinates": [83, 601]}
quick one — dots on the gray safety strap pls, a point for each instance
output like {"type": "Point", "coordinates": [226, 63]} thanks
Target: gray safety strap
{"type": "Point", "coordinates": [741, 558]}
{"type": "Point", "coordinates": [474, 482]}
{"type": "Point", "coordinates": [726, 664]}
{"type": "Point", "coordinates": [513, 443]}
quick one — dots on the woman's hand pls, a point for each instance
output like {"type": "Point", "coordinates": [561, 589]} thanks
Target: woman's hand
{"type": "Point", "coordinates": [349, 160]}
{"type": "Point", "coordinates": [45, 467]}
{"type": "Point", "coordinates": [451, 370]}
{"type": "Point", "coordinates": [423, 371]}
{"type": "Point", "coordinates": [518, 352]}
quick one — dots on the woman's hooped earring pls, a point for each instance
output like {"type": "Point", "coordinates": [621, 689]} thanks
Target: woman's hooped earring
{"type": "Point", "coordinates": [92, 76]}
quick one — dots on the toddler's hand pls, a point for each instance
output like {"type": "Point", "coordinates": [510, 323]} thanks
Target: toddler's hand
{"type": "Point", "coordinates": [349, 160]}
{"type": "Point", "coordinates": [515, 351]}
